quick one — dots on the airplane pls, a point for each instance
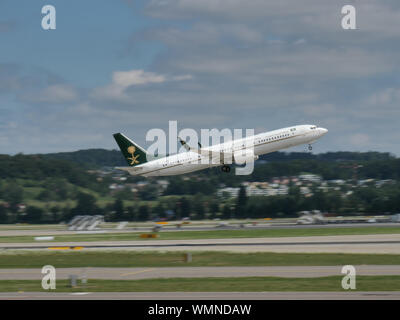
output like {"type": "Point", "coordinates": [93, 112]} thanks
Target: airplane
{"type": "Point", "coordinates": [237, 151]}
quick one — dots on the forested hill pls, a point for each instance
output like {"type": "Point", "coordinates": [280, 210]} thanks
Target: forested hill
{"type": "Point", "coordinates": [112, 158]}
{"type": "Point", "coordinates": [91, 157]}
{"type": "Point", "coordinates": [328, 156]}
{"type": "Point", "coordinates": [39, 167]}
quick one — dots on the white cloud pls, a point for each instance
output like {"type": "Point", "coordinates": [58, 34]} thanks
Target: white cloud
{"type": "Point", "coordinates": [57, 93]}
{"type": "Point", "coordinates": [233, 9]}
{"type": "Point", "coordinates": [122, 80]}
{"type": "Point", "coordinates": [125, 79]}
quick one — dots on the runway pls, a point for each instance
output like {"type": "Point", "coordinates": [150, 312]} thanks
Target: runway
{"type": "Point", "coordinates": [173, 228]}
{"type": "Point", "coordinates": [199, 272]}
{"type": "Point", "coordinates": [340, 295]}
{"type": "Point", "coordinates": [377, 243]}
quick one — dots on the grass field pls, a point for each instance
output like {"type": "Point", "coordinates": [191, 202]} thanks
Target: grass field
{"type": "Point", "coordinates": [213, 234]}
{"type": "Point", "coordinates": [64, 259]}
{"type": "Point", "coordinates": [245, 284]}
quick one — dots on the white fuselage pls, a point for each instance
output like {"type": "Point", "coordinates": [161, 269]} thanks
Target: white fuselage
{"type": "Point", "coordinates": [258, 144]}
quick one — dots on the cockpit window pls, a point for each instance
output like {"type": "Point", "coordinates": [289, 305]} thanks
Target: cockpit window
{"type": "Point", "coordinates": [313, 127]}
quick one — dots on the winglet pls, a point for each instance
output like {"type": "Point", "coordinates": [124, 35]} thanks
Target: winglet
{"type": "Point", "coordinates": [184, 144]}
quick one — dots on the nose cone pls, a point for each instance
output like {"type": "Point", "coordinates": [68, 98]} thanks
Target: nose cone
{"type": "Point", "coordinates": [323, 131]}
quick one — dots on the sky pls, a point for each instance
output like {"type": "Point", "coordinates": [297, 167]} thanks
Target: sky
{"type": "Point", "coordinates": [132, 66]}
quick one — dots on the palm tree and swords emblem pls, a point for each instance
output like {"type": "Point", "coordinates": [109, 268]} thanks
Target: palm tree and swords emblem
{"type": "Point", "coordinates": [131, 150]}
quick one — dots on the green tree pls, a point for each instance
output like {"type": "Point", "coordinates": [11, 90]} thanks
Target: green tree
{"type": "Point", "coordinates": [33, 215]}
{"type": "Point", "coordinates": [159, 210]}
{"type": "Point", "coordinates": [241, 202]}
{"type": "Point", "coordinates": [118, 210]}
{"type": "Point", "coordinates": [214, 209]}
{"type": "Point", "coordinates": [3, 214]}
{"type": "Point", "coordinates": [124, 194]}
{"type": "Point", "coordinates": [130, 213]}
{"type": "Point", "coordinates": [227, 211]}
{"type": "Point", "coordinates": [148, 192]}
{"type": "Point", "coordinates": [13, 194]}
{"type": "Point", "coordinates": [183, 208]}
{"type": "Point", "coordinates": [143, 214]}
{"type": "Point", "coordinates": [56, 214]}
{"type": "Point", "coordinates": [199, 210]}
{"type": "Point", "coordinates": [86, 204]}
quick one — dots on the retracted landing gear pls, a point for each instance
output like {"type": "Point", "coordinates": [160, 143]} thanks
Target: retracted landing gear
{"type": "Point", "coordinates": [226, 168]}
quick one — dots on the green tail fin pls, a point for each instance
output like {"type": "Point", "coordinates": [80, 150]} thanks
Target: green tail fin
{"type": "Point", "coordinates": [132, 152]}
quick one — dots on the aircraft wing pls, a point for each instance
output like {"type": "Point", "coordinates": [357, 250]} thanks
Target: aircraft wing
{"type": "Point", "coordinates": [135, 170]}
{"type": "Point", "coordinates": [213, 155]}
